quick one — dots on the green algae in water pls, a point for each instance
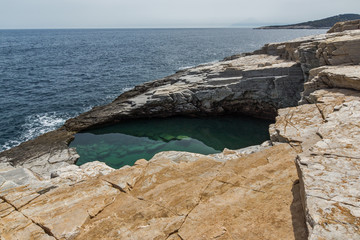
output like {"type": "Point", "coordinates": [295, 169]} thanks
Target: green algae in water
{"type": "Point", "coordinates": [124, 143]}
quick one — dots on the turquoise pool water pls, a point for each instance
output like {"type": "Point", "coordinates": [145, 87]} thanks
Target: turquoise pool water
{"type": "Point", "coordinates": [124, 143]}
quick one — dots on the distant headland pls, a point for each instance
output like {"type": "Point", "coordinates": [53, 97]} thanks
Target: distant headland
{"type": "Point", "coordinates": [321, 23]}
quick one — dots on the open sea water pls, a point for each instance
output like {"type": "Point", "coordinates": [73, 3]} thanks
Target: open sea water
{"type": "Point", "coordinates": [49, 76]}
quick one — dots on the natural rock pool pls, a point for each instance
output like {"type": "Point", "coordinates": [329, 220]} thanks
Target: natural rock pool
{"type": "Point", "coordinates": [124, 143]}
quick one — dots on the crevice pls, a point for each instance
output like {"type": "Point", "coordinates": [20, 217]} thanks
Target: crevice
{"type": "Point", "coordinates": [294, 146]}
{"type": "Point", "coordinates": [6, 201]}
{"type": "Point", "coordinates": [45, 229]}
{"type": "Point", "coordinates": [320, 136]}
{"type": "Point", "coordinates": [331, 155]}
{"type": "Point", "coordinates": [226, 182]}
{"type": "Point", "coordinates": [220, 235]}
{"type": "Point", "coordinates": [200, 198]}
{"type": "Point", "coordinates": [91, 217]}
{"type": "Point", "coordinates": [43, 191]}
{"type": "Point", "coordinates": [18, 208]}
{"type": "Point", "coordinates": [338, 155]}
{"type": "Point", "coordinates": [329, 200]}
{"type": "Point", "coordinates": [129, 186]}
{"type": "Point", "coordinates": [180, 236]}
{"type": "Point", "coordinates": [28, 202]}
{"type": "Point", "coordinates": [115, 186]}
{"type": "Point", "coordinates": [172, 233]}
{"type": "Point", "coordinates": [3, 216]}
{"type": "Point", "coordinates": [321, 113]}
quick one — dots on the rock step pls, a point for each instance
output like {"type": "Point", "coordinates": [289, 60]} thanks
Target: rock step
{"type": "Point", "coordinates": [347, 77]}
{"type": "Point", "coordinates": [326, 133]}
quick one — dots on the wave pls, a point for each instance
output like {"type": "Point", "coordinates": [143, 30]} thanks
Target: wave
{"type": "Point", "coordinates": [35, 125]}
{"type": "Point", "coordinates": [201, 64]}
{"type": "Point", "coordinates": [38, 124]}
{"type": "Point", "coordinates": [186, 67]}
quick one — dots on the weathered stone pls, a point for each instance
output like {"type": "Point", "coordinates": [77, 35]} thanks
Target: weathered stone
{"type": "Point", "coordinates": [72, 173]}
{"type": "Point", "coordinates": [82, 202]}
{"type": "Point", "coordinates": [344, 26]}
{"type": "Point", "coordinates": [205, 199]}
{"type": "Point", "coordinates": [328, 163]}
{"type": "Point", "coordinates": [16, 226]}
{"type": "Point", "coordinates": [143, 201]}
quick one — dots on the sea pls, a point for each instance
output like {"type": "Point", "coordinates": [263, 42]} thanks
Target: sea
{"type": "Point", "coordinates": [48, 76]}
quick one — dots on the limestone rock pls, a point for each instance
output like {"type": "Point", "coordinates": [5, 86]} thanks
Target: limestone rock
{"type": "Point", "coordinates": [72, 173]}
{"type": "Point", "coordinates": [328, 160]}
{"type": "Point", "coordinates": [168, 197]}
{"type": "Point", "coordinates": [344, 26]}
{"type": "Point", "coordinates": [332, 77]}
{"type": "Point", "coordinates": [232, 191]}
{"type": "Point", "coordinates": [218, 88]}
{"type": "Point", "coordinates": [16, 226]}
{"type": "Point", "coordinates": [82, 202]}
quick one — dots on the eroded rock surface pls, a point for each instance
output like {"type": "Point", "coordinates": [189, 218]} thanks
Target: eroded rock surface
{"type": "Point", "coordinates": [327, 133]}
{"type": "Point", "coordinates": [200, 198]}
{"type": "Point", "coordinates": [343, 26]}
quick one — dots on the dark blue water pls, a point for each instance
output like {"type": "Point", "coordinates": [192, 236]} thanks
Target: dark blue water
{"type": "Point", "coordinates": [48, 76]}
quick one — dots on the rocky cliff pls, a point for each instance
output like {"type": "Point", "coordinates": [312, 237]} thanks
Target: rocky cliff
{"type": "Point", "coordinates": [304, 183]}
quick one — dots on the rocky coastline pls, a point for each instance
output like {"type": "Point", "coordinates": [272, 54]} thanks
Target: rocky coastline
{"type": "Point", "coordinates": [302, 184]}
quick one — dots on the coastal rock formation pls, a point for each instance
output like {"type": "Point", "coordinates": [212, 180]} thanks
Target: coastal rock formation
{"type": "Point", "coordinates": [304, 183]}
{"type": "Point", "coordinates": [343, 26]}
{"type": "Point", "coordinates": [315, 51]}
{"type": "Point", "coordinates": [326, 132]}
{"type": "Point", "coordinates": [267, 82]}
{"type": "Point", "coordinates": [254, 85]}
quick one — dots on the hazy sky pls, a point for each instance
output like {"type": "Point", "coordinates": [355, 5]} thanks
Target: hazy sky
{"type": "Point", "coordinates": [165, 13]}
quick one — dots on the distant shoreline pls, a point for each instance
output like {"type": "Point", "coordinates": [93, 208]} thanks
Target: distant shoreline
{"type": "Point", "coordinates": [290, 27]}
{"type": "Point", "coordinates": [325, 23]}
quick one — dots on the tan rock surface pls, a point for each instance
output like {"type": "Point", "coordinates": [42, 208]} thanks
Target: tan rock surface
{"type": "Point", "coordinates": [344, 26]}
{"type": "Point", "coordinates": [200, 198]}
{"type": "Point", "coordinates": [329, 162]}
{"type": "Point", "coordinates": [206, 199]}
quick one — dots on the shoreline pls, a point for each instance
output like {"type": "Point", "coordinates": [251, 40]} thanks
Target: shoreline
{"type": "Point", "coordinates": [266, 83]}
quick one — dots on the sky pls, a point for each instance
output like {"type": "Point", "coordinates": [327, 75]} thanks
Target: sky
{"type": "Point", "coordinates": [24, 14]}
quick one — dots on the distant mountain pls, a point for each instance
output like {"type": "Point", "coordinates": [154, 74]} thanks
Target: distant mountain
{"type": "Point", "coordinates": [322, 23]}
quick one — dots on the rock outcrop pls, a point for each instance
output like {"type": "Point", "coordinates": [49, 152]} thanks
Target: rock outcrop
{"type": "Point", "coordinates": [343, 26]}
{"type": "Point", "coordinates": [254, 85]}
{"type": "Point", "coordinates": [304, 183]}
{"type": "Point", "coordinates": [326, 133]}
